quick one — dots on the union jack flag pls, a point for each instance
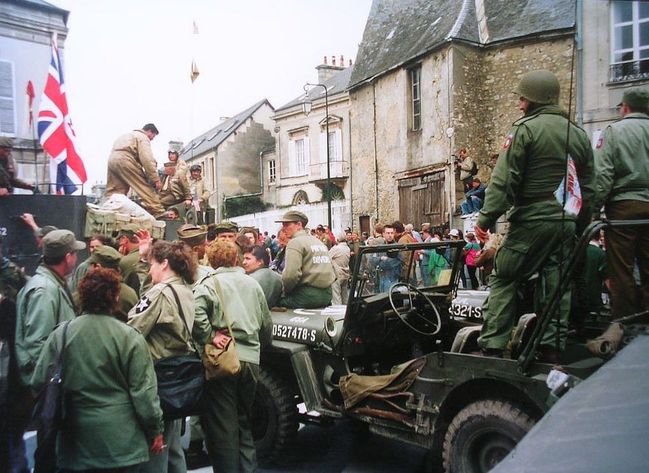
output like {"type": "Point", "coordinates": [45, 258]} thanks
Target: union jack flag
{"type": "Point", "coordinates": [56, 133]}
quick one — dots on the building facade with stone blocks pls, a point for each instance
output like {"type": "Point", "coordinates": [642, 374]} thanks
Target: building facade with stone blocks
{"type": "Point", "coordinates": [231, 154]}
{"type": "Point", "coordinates": [300, 165]}
{"type": "Point", "coordinates": [26, 28]}
{"type": "Point", "coordinates": [433, 77]}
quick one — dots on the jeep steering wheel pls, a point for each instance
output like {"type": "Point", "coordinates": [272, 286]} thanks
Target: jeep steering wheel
{"type": "Point", "coordinates": [412, 290]}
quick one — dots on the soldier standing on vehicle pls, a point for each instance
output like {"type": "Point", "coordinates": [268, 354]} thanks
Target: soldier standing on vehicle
{"type": "Point", "coordinates": [8, 178]}
{"type": "Point", "coordinates": [622, 170]}
{"type": "Point", "coordinates": [308, 273]}
{"type": "Point", "coordinates": [130, 163]}
{"type": "Point", "coordinates": [528, 173]}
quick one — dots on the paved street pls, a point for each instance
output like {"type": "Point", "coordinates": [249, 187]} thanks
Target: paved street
{"type": "Point", "coordinates": [340, 448]}
{"type": "Point", "coordinates": [346, 448]}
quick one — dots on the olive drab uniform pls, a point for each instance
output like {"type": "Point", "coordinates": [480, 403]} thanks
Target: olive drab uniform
{"type": "Point", "coordinates": [130, 164]}
{"type": "Point", "coordinates": [44, 302]}
{"type": "Point", "coordinates": [156, 315]}
{"type": "Point", "coordinates": [622, 165]}
{"type": "Point", "coordinates": [529, 170]}
{"type": "Point", "coordinates": [8, 179]}
{"type": "Point", "coordinates": [308, 274]}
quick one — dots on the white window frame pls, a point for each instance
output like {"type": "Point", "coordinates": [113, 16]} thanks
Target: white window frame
{"type": "Point", "coordinates": [272, 171]}
{"type": "Point", "coordinates": [414, 84]}
{"type": "Point", "coordinates": [11, 99]}
{"type": "Point", "coordinates": [636, 48]}
{"type": "Point", "coordinates": [298, 156]}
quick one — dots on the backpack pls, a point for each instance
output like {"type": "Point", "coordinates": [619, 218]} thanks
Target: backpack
{"type": "Point", "coordinates": [474, 169]}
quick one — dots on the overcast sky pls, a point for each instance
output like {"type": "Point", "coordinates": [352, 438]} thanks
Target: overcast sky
{"type": "Point", "coordinates": [127, 62]}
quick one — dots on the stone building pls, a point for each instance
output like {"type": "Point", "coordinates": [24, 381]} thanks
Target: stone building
{"type": "Point", "coordinates": [232, 154]}
{"type": "Point", "coordinates": [26, 28]}
{"type": "Point", "coordinates": [299, 170]}
{"type": "Point", "coordinates": [614, 58]}
{"type": "Point", "coordinates": [437, 75]}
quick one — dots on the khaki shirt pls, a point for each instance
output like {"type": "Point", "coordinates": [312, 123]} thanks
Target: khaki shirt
{"type": "Point", "coordinates": [199, 191]}
{"type": "Point", "coordinates": [156, 315]}
{"type": "Point", "coordinates": [175, 189]}
{"type": "Point", "coordinates": [307, 263]}
{"type": "Point", "coordinates": [136, 146]}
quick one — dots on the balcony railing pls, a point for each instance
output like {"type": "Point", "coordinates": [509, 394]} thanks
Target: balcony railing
{"type": "Point", "coordinates": [337, 169]}
{"type": "Point", "coordinates": [629, 71]}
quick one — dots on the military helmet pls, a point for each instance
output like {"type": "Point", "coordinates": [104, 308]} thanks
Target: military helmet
{"type": "Point", "coordinates": [195, 167]}
{"type": "Point", "coordinates": [541, 87]}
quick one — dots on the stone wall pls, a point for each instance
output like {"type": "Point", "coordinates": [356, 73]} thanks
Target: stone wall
{"type": "Point", "coordinates": [466, 93]}
{"type": "Point", "coordinates": [239, 161]}
{"type": "Point", "coordinates": [484, 103]}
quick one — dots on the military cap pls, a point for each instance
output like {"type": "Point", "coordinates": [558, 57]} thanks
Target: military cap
{"type": "Point", "coordinates": [6, 142]}
{"type": "Point", "coordinates": [58, 243]}
{"type": "Point", "coordinates": [107, 256]}
{"type": "Point", "coordinates": [193, 235]}
{"type": "Point", "coordinates": [225, 226]}
{"type": "Point", "coordinates": [169, 164]}
{"type": "Point", "coordinates": [293, 216]}
{"type": "Point", "coordinates": [637, 99]}
{"type": "Point", "coordinates": [44, 230]}
{"type": "Point", "coordinates": [128, 230]}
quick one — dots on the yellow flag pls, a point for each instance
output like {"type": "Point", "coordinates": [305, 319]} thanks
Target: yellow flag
{"type": "Point", "coordinates": [195, 73]}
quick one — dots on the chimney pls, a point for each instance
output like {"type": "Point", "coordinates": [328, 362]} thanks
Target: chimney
{"type": "Point", "coordinates": [327, 71]}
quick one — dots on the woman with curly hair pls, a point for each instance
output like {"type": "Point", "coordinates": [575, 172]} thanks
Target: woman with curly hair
{"type": "Point", "coordinates": [112, 407]}
{"type": "Point", "coordinates": [158, 317]}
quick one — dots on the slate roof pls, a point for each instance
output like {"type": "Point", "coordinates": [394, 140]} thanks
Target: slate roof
{"type": "Point", "coordinates": [399, 31]}
{"type": "Point", "coordinates": [217, 135]}
{"type": "Point", "coordinates": [43, 5]}
{"type": "Point", "coordinates": [335, 85]}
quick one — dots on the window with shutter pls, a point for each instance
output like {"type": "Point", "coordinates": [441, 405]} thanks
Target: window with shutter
{"type": "Point", "coordinates": [7, 99]}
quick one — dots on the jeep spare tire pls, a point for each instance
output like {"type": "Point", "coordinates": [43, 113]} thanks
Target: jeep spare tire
{"type": "Point", "coordinates": [274, 421]}
{"type": "Point", "coordinates": [482, 434]}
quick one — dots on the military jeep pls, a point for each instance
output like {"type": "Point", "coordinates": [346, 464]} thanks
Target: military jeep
{"type": "Point", "coordinates": [415, 365]}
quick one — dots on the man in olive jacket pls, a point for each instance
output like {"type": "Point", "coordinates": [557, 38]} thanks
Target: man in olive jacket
{"type": "Point", "coordinates": [309, 273]}
{"type": "Point", "coordinates": [524, 184]}
{"type": "Point", "coordinates": [130, 163]}
{"type": "Point", "coordinates": [622, 165]}
{"type": "Point", "coordinates": [44, 302]}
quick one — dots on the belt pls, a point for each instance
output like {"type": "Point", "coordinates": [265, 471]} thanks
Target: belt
{"type": "Point", "coordinates": [533, 200]}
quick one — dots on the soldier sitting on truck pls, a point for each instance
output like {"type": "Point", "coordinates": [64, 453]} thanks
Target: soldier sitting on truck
{"type": "Point", "coordinates": [175, 187]}
{"type": "Point", "coordinates": [308, 273]}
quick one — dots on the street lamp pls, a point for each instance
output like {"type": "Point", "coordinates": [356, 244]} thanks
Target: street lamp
{"type": "Point", "coordinates": [306, 108]}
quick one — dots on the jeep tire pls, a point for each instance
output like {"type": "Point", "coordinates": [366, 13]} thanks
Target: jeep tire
{"type": "Point", "coordinates": [274, 419]}
{"type": "Point", "coordinates": [482, 434]}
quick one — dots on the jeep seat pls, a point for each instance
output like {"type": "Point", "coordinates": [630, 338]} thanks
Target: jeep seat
{"type": "Point", "coordinates": [522, 334]}
{"type": "Point", "coordinates": [466, 339]}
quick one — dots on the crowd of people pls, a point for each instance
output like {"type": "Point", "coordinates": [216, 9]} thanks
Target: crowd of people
{"type": "Point", "coordinates": [135, 301]}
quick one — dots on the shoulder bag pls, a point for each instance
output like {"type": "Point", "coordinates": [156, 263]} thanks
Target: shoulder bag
{"type": "Point", "coordinates": [180, 379]}
{"type": "Point", "coordinates": [49, 414]}
{"type": "Point", "coordinates": [221, 362]}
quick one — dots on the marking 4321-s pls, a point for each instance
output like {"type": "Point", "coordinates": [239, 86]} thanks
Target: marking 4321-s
{"type": "Point", "coordinates": [466, 311]}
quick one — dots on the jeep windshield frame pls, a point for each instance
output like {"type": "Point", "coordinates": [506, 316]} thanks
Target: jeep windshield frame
{"type": "Point", "coordinates": [360, 270]}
